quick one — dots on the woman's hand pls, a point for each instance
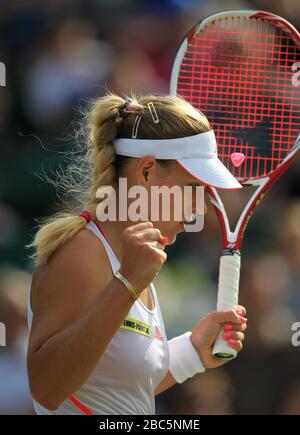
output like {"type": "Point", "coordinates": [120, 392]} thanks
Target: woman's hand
{"type": "Point", "coordinates": [143, 254]}
{"type": "Point", "coordinates": [207, 330]}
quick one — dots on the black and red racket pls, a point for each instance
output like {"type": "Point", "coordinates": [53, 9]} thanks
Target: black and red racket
{"type": "Point", "coordinates": [242, 69]}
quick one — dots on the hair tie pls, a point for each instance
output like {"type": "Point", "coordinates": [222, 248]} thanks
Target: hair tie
{"type": "Point", "coordinates": [123, 111]}
{"type": "Point", "coordinates": [87, 215]}
{"type": "Point", "coordinates": [130, 107]}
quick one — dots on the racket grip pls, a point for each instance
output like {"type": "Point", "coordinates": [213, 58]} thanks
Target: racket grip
{"type": "Point", "coordinates": [228, 289]}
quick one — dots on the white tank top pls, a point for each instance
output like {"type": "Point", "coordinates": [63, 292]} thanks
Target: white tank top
{"type": "Point", "coordinates": [133, 365]}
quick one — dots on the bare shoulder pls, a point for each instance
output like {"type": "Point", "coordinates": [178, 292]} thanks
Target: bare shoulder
{"type": "Point", "coordinates": [63, 288]}
{"type": "Point", "coordinates": [81, 261]}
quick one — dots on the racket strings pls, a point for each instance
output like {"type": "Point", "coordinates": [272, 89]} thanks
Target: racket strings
{"type": "Point", "coordinates": [238, 72]}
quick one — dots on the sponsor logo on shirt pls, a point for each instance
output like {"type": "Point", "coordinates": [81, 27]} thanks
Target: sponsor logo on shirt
{"type": "Point", "coordinates": [135, 325]}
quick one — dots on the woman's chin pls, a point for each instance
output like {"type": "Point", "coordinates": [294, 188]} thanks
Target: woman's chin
{"type": "Point", "coordinates": [180, 228]}
{"type": "Point", "coordinates": [172, 237]}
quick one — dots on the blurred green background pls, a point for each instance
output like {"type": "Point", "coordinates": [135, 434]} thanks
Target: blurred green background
{"type": "Point", "coordinates": [58, 54]}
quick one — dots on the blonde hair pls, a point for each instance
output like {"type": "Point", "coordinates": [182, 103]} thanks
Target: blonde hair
{"type": "Point", "coordinates": [97, 164]}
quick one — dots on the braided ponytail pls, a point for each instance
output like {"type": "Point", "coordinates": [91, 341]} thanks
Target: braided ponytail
{"type": "Point", "coordinates": [104, 118]}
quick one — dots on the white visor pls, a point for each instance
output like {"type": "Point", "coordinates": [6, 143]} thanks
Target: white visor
{"type": "Point", "coordinates": [196, 154]}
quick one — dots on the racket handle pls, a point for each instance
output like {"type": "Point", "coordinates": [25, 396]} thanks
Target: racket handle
{"type": "Point", "coordinates": [228, 289]}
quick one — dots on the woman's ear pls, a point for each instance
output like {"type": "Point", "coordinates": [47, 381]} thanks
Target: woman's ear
{"type": "Point", "coordinates": [145, 170]}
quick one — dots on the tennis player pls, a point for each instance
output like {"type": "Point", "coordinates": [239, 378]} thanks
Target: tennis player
{"type": "Point", "coordinates": [97, 341]}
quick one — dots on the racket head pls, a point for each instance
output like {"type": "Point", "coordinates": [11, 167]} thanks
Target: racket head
{"type": "Point", "coordinates": [242, 70]}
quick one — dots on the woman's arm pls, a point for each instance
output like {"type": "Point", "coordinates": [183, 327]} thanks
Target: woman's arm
{"type": "Point", "coordinates": [77, 310]}
{"type": "Point", "coordinates": [204, 335]}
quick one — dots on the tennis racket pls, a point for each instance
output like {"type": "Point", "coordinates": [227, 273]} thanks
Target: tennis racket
{"type": "Point", "coordinates": [242, 69]}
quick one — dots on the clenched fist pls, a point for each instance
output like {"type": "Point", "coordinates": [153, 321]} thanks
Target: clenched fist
{"type": "Point", "coordinates": [143, 254]}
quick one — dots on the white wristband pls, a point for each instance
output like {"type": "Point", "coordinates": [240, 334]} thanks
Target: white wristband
{"type": "Point", "coordinates": [184, 359]}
